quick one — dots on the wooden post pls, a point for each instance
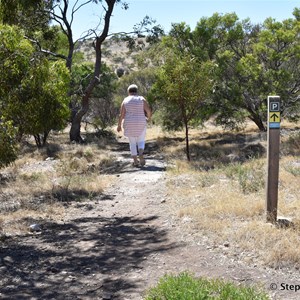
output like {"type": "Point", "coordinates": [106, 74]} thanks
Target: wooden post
{"type": "Point", "coordinates": [273, 157]}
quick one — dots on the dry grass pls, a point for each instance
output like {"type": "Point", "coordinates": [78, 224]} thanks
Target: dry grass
{"type": "Point", "coordinates": [224, 199]}
{"type": "Point", "coordinates": [220, 192]}
{"type": "Point", "coordinates": [41, 182]}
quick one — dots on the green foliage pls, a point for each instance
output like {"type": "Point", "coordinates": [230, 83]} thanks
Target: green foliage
{"type": "Point", "coordinates": [47, 105]}
{"type": "Point", "coordinates": [33, 91]}
{"type": "Point", "coordinates": [15, 54]}
{"type": "Point", "coordinates": [186, 287]}
{"type": "Point", "coordinates": [228, 41]}
{"type": "Point", "coordinates": [54, 40]}
{"type": "Point", "coordinates": [103, 110]}
{"type": "Point", "coordinates": [211, 33]}
{"type": "Point", "coordinates": [253, 61]}
{"type": "Point", "coordinates": [41, 103]}
{"type": "Point", "coordinates": [278, 52]}
{"type": "Point", "coordinates": [8, 144]}
{"type": "Point", "coordinates": [26, 14]}
{"type": "Point", "coordinates": [250, 176]}
{"type": "Point", "coordinates": [182, 89]}
{"type": "Point", "coordinates": [144, 79]}
{"type": "Point", "coordinates": [80, 76]}
{"type": "Point", "coordinates": [258, 61]}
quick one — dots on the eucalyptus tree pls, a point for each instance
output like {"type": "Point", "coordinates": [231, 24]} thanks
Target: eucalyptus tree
{"type": "Point", "coordinates": [254, 61]}
{"type": "Point", "coordinates": [44, 105]}
{"type": "Point", "coordinates": [29, 15]}
{"type": "Point", "coordinates": [275, 64]}
{"type": "Point", "coordinates": [103, 110]}
{"type": "Point", "coordinates": [182, 88]}
{"type": "Point", "coordinates": [225, 40]}
{"type": "Point", "coordinates": [32, 89]}
{"type": "Point", "coordinates": [64, 14]}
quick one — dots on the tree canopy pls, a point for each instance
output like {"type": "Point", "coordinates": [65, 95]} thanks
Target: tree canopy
{"type": "Point", "coordinates": [33, 90]}
{"type": "Point", "coordinates": [224, 68]}
{"type": "Point", "coordinates": [253, 61]}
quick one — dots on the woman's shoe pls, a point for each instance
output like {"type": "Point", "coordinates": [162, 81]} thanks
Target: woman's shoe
{"type": "Point", "coordinates": [142, 161]}
{"type": "Point", "coordinates": [135, 164]}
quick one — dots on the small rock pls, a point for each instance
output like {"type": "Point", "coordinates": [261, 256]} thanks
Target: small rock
{"type": "Point", "coordinates": [53, 270]}
{"type": "Point", "coordinates": [107, 296]}
{"type": "Point", "coordinates": [186, 219]}
{"type": "Point", "coordinates": [8, 260]}
{"type": "Point", "coordinates": [89, 207]}
{"type": "Point", "coordinates": [5, 177]}
{"type": "Point", "coordinates": [35, 227]}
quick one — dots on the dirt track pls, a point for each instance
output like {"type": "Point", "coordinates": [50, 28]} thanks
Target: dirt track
{"type": "Point", "coordinates": [118, 245]}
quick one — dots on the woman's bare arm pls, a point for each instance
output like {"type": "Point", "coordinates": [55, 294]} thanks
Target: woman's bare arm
{"type": "Point", "coordinates": [121, 117]}
{"type": "Point", "coordinates": [147, 109]}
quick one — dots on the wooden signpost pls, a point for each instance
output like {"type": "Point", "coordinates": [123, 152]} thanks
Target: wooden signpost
{"type": "Point", "coordinates": [273, 157]}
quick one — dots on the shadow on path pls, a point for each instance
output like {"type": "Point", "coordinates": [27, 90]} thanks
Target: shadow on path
{"type": "Point", "coordinates": [154, 160]}
{"type": "Point", "coordinates": [67, 261]}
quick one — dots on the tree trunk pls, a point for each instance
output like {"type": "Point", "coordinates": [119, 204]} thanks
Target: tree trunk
{"type": "Point", "coordinates": [40, 140]}
{"type": "Point", "coordinates": [259, 123]}
{"type": "Point", "coordinates": [37, 140]}
{"type": "Point", "coordinates": [187, 144]}
{"type": "Point", "coordinates": [45, 136]}
{"type": "Point", "coordinates": [75, 134]}
{"type": "Point", "coordinates": [75, 130]}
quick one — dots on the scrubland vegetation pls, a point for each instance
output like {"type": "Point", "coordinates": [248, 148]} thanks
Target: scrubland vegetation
{"type": "Point", "coordinates": [39, 185]}
{"type": "Point", "coordinates": [204, 85]}
{"type": "Point", "coordinates": [219, 195]}
{"type": "Point", "coordinates": [223, 196]}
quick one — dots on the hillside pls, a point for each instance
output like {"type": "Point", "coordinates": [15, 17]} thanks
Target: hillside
{"type": "Point", "coordinates": [115, 53]}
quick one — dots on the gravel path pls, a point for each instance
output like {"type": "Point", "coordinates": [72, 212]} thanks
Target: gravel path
{"type": "Point", "coordinates": [118, 245]}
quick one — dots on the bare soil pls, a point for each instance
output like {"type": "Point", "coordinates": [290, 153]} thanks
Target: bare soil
{"type": "Point", "coordinates": [119, 244]}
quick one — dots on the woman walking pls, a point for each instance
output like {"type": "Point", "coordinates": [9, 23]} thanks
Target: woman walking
{"type": "Point", "coordinates": [135, 111]}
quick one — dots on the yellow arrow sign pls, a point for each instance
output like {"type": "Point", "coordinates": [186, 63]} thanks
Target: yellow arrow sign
{"type": "Point", "coordinates": [274, 117]}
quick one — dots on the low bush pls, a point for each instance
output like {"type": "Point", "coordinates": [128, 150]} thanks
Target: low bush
{"type": "Point", "coordinates": [186, 287]}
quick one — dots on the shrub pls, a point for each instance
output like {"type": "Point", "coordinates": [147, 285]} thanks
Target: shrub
{"type": "Point", "coordinates": [292, 145]}
{"type": "Point", "coordinates": [250, 176]}
{"type": "Point", "coordinates": [186, 287]}
{"type": "Point", "coordinates": [8, 143]}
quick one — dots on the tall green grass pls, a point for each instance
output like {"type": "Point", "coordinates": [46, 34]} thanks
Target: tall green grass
{"type": "Point", "coordinates": [186, 287]}
{"type": "Point", "coordinates": [251, 176]}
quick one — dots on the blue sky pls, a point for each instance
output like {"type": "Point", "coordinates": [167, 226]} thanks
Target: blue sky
{"type": "Point", "coordinates": [166, 12]}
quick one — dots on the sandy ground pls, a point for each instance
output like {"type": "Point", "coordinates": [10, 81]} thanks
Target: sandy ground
{"type": "Point", "coordinates": [119, 244]}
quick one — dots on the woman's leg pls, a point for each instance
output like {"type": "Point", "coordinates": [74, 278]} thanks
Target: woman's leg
{"type": "Point", "coordinates": [141, 146]}
{"type": "Point", "coordinates": [133, 149]}
{"type": "Point", "coordinates": [132, 145]}
{"type": "Point", "coordinates": [141, 140]}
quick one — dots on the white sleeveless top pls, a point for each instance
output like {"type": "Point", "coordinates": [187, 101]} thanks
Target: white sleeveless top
{"type": "Point", "coordinates": [135, 120]}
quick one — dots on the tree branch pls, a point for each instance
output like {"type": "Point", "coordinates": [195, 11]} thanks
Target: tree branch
{"type": "Point", "coordinates": [44, 50]}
